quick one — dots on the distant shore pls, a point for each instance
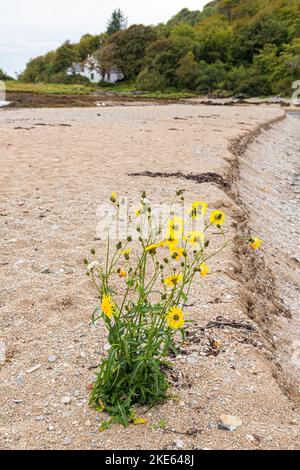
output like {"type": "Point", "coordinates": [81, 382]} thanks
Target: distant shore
{"type": "Point", "coordinates": [60, 100]}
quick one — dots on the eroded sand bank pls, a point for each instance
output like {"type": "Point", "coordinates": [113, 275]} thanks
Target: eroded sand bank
{"type": "Point", "coordinates": [56, 168]}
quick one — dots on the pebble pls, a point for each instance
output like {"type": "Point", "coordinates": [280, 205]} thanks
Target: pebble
{"type": "Point", "coordinates": [192, 360]}
{"type": "Point", "coordinates": [20, 379]}
{"type": "Point", "coordinates": [66, 400]}
{"type": "Point", "coordinates": [33, 369]}
{"type": "Point", "coordinates": [52, 358]}
{"type": "Point", "coordinates": [46, 271]}
{"type": "Point", "coordinates": [40, 418]}
{"type": "Point", "coordinates": [179, 444]}
{"type": "Point", "coordinates": [229, 423]}
{"type": "Point", "coordinates": [67, 440]}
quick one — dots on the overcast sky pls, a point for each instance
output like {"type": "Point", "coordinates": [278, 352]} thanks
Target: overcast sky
{"type": "Point", "coordinates": [32, 27]}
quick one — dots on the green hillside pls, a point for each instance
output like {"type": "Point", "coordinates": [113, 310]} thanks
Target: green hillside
{"type": "Point", "coordinates": [249, 47]}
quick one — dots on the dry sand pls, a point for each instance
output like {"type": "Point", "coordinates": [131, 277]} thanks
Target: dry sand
{"type": "Point", "coordinates": [56, 167]}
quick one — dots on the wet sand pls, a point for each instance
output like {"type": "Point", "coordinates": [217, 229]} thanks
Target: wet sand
{"type": "Point", "coordinates": [57, 166]}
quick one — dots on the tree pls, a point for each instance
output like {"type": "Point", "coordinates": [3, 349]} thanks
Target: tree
{"type": "Point", "coordinates": [117, 22]}
{"type": "Point", "coordinates": [107, 58]}
{"type": "Point", "coordinates": [188, 70]}
{"type": "Point", "coordinates": [89, 44]}
{"type": "Point", "coordinates": [150, 81]}
{"type": "Point", "coordinates": [65, 56]}
{"type": "Point", "coordinates": [210, 77]}
{"type": "Point", "coordinates": [4, 76]}
{"type": "Point", "coordinates": [131, 45]}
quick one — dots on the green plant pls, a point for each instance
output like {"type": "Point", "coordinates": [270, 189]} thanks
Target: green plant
{"type": "Point", "coordinates": [143, 290]}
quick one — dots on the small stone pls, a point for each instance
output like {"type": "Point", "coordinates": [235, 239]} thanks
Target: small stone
{"type": "Point", "coordinates": [88, 423]}
{"type": "Point", "coordinates": [46, 271]}
{"type": "Point", "coordinates": [20, 379]}
{"type": "Point", "coordinates": [179, 444]}
{"type": "Point", "coordinates": [192, 360]}
{"type": "Point", "coordinates": [50, 428]}
{"type": "Point", "coordinates": [40, 418]}
{"type": "Point", "coordinates": [66, 400]}
{"type": "Point", "coordinates": [33, 369]}
{"type": "Point", "coordinates": [3, 212]}
{"type": "Point", "coordinates": [229, 423]}
{"type": "Point", "coordinates": [17, 402]}
{"type": "Point", "coordinates": [67, 440]}
{"type": "Point", "coordinates": [293, 422]}
{"type": "Point", "coordinates": [52, 358]}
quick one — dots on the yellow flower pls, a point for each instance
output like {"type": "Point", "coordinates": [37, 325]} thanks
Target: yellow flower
{"type": "Point", "coordinates": [255, 243]}
{"type": "Point", "coordinates": [107, 306]}
{"type": "Point", "coordinates": [175, 318]}
{"type": "Point", "coordinates": [138, 421]}
{"type": "Point", "coordinates": [178, 252]}
{"type": "Point", "coordinates": [195, 237]}
{"type": "Point", "coordinates": [138, 212]}
{"type": "Point", "coordinates": [198, 209]}
{"type": "Point", "coordinates": [152, 248]}
{"type": "Point", "coordinates": [175, 228]}
{"type": "Point", "coordinates": [217, 218]}
{"type": "Point", "coordinates": [126, 253]}
{"type": "Point", "coordinates": [171, 244]}
{"type": "Point", "coordinates": [122, 272]}
{"type": "Point", "coordinates": [173, 280]}
{"type": "Point", "coordinates": [204, 270]}
{"type": "Point", "coordinates": [113, 197]}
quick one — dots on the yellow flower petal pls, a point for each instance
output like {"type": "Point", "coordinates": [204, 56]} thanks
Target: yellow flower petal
{"type": "Point", "coordinates": [177, 253]}
{"type": "Point", "coordinates": [152, 248]}
{"type": "Point", "coordinates": [122, 272]}
{"type": "Point", "coordinates": [172, 281]}
{"type": "Point", "coordinates": [217, 218]}
{"type": "Point", "coordinates": [175, 318]}
{"type": "Point", "coordinates": [138, 421]}
{"type": "Point", "coordinates": [204, 270]}
{"type": "Point", "coordinates": [198, 209]}
{"type": "Point", "coordinates": [255, 243]}
{"type": "Point", "coordinates": [195, 237]}
{"type": "Point", "coordinates": [107, 306]}
{"type": "Point", "coordinates": [175, 228]}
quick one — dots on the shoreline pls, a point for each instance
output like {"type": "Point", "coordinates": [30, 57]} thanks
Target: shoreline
{"type": "Point", "coordinates": [21, 100]}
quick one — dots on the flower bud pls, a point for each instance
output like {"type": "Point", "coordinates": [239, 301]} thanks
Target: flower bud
{"type": "Point", "coordinates": [113, 198]}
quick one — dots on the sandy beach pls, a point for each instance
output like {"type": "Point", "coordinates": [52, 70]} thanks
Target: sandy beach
{"type": "Point", "coordinates": [57, 166]}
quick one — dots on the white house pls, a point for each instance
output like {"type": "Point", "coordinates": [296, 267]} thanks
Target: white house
{"type": "Point", "coordinates": [91, 69]}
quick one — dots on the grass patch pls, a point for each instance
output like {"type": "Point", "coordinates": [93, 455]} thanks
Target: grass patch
{"type": "Point", "coordinates": [174, 95]}
{"type": "Point", "coordinates": [53, 88]}
{"type": "Point", "coordinates": [73, 89]}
